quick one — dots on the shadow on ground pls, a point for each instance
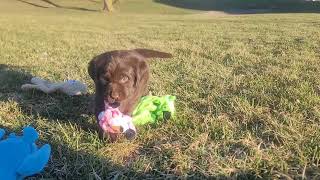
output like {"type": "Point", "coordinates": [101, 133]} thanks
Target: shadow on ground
{"type": "Point", "coordinates": [70, 110]}
{"type": "Point", "coordinates": [247, 7]}
{"type": "Point", "coordinates": [50, 4]}
{"type": "Point", "coordinates": [66, 162]}
{"type": "Point", "coordinates": [89, 166]}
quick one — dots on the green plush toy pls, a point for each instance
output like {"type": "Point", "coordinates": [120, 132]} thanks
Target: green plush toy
{"type": "Point", "coordinates": [152, 109]}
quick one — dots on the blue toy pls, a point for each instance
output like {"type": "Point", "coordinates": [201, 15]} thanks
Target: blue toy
{"type": "Point", "coordinates": [20, 156]}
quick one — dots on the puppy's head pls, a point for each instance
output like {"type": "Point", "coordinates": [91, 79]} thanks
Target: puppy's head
{"type": "Point", "coordinates": [118, 75]}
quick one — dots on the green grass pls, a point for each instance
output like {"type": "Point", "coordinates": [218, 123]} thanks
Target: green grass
{"type": "Point", "coordinates": [248, 89]}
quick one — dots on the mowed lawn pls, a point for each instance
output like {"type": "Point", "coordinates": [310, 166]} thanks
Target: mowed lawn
{"type": "Point", "coordinates": [247, 88]}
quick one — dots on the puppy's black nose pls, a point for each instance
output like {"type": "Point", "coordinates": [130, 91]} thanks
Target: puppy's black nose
{"type": "Point", "coordinates": [113, 103]}
{"type": "Point", "coordinates": [110, 99]}
{"type": "Point", "coordinates": [115, 95]}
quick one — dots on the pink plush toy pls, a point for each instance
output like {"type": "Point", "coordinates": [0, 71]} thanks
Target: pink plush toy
{"type": "Point", "coordinates": [113, 121]}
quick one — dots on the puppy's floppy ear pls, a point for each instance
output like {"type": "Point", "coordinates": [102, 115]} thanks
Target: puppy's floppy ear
{"type": "Point", "coordinates": [92, 70]}
{"type": "Point", "coordinates": [140, 72]}
{"type": "Point", "coordinates": [148, 53]}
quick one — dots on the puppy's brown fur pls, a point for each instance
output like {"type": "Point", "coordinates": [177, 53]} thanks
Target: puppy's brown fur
{"type": "Point", "coordinates": [121, 77]}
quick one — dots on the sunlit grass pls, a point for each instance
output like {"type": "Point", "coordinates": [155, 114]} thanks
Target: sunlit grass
{"type": "Point", "coordinates": [247, 90]}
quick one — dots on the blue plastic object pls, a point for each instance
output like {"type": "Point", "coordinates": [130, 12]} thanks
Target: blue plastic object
{"type": "Point", "coordinates": [20, 156]}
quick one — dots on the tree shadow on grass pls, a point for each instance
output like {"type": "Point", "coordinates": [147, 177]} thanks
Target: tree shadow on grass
{"type": "Point", "coordinates": [247, 7]}
{"type": "Point", "coordinates": [53, 107]}
{"type": "Point", "coordinates": [65, 162]}
{"type": "Point", "coordinates": [69, 162]}
{"type": "Point", "coordinates": [52, 4]}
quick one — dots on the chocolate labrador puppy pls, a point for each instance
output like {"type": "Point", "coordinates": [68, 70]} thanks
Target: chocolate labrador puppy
{"type": "Point", "coordinates": [121, 78]}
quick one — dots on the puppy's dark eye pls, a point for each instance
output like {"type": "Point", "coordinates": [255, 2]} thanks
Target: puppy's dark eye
{"type": "Point", "coordinates": [124, 79]}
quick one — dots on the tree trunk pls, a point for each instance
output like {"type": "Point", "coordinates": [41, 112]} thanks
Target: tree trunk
{"type": "Point", "coordinates": [107, 5]}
